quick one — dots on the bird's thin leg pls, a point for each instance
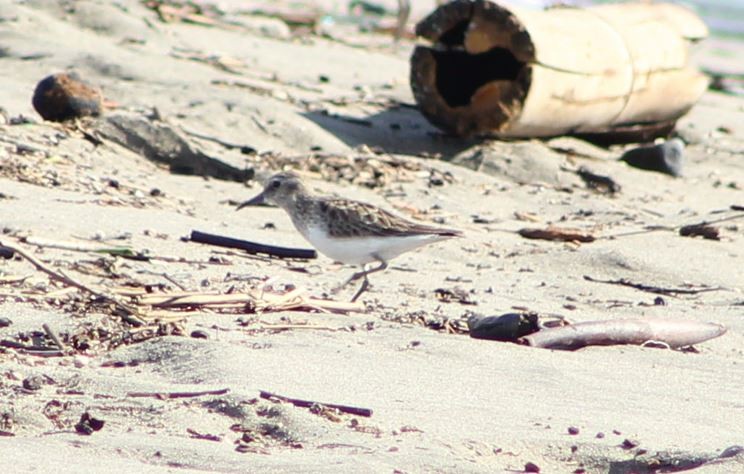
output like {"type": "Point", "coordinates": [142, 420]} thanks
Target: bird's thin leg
{"type": "Point", "coordinates": [363, 274]}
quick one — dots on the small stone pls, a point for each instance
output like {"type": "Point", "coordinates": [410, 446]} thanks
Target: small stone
{"type": "Point", "coordinates": [629, 443]}
{"type": "Point", "coordinates": [199, 334]}
{"type": "Point", "coordinates": [665, 158]}
{"type": "Point", "coordinates": [87, 424]}
{"type": "Point", "coordinates": [599, 435]}
{"type": "Point", "coordinates": [155, 192]}
{"type": "Point", "coordinates": [507, 327]}
{"type": "Point", "coordinates": [65, 96]}
{"type": "Point", "coordinates": [5, 322]}
{"type": "Point", "coordinates": [572, 430]}
{"type": "Point", "coordinates": [33, 382]}
{"type": "Point", "coordinates": [732, 451]}
{"type": "Point", "coordinates": [531, 467]}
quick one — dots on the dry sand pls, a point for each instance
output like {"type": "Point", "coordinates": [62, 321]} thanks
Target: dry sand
{"type": "Point", "coordinates": [442, 402]}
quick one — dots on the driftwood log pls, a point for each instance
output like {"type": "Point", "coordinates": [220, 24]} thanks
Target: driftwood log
{"type": "Point", "coordinates": [674, 333]}
{"type": "Point", "coordinates": [605, 69]}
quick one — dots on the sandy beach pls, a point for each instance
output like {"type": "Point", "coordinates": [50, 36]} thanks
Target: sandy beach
{"type": "Point", "coordinates": [250, 95]}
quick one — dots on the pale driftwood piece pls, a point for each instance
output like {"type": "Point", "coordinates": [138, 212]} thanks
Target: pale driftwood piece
{"type": "Point", "coordinates": [309, 403]}
{"type": "Point", "coordinates": [675, 333]}
{"type": "Point", "coordinates": [530, 73]}
{"type": "Point", "coordinates": [169, 395]}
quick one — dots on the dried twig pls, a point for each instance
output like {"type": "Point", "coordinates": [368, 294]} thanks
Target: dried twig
{"type": "Point", "coordinates": [308, 403]}
{"type": "Point", "coordinates": [169, 395]}
{"type": "Point", "coordinates": [653, 289]}
{"type": "Point", "coordinates": [131, 315]}
{"type": "Point", "coordinates": [251, 247]}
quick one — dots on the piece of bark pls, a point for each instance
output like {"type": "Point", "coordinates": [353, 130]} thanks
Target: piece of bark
{"type": "Point", "coordinates": [561, 234]}
{"type": "Point", "coordinates": [700, 230]}
{"type": "Point", "coordinates": [675, 333]}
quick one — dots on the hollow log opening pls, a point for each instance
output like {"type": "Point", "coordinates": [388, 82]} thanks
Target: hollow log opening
{"type": "Point", "coordinates": [460, 74]}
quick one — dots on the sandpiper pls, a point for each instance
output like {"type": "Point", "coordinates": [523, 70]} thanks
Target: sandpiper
{"type": "Point", "coordinates": [347, 231]}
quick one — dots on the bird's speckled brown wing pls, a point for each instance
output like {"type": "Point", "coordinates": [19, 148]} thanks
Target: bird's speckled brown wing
{"type": "Point", "coordinates": [358, 219]}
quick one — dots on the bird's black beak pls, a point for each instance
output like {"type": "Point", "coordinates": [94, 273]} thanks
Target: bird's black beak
{"type": "Point", "coordinates": [256, 201]}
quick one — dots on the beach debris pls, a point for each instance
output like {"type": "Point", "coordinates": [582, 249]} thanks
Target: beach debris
{"type": "Point", "coordinates": [33, 383]}
{"type": "Point", "coordinates": [654, 289]}
{"type": "Point", "coordinates": [457, 295]}
{"type": "Point", "coordinates": [365, 412]}
{"type": "Point", "coordinates": [128, 313]}
{"type": "Point", "coordinates": [88, 424]}
{"type": "Point", "coordinates": [174, 306]}
{"type": "Point", "coordinates": [66, 96]}
{"type": "Point", "coordinates": [532, 73]}
{"type": "Point", "coordinates": [173, 395]}
{"type": "Point", "coordinates": [674, 333]}
{"type": "Point", "coordinates": [531, 467]}
{"type": "Point", "coordinates": [251, 247]}
{"type": "Point", "coordinates": [562, 234]}
{"type": "Point", "coordinates": [156, 140]}
{"type": "Point", "coordinates": [599, 183]}
{"type": "Point", "coordinates": [506, 327]}
{"type": "Point", "coordinates": [207, 437]}
{"type": "Point", "coordinates": [667, 157]}
{"type": "Point", "coordinates": [703, 230]}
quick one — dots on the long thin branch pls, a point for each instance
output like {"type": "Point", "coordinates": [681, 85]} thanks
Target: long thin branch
{"type": "Point", "coordinates": [166, 395]}
{"type": "Point", "coordinates": [251, 247]}
{"type": "Point", "coordinates": [132, 316]}
{"type": "Point", "coordinates": [308, 403]}
{"type": "Point", "coordinates": [653, 289]}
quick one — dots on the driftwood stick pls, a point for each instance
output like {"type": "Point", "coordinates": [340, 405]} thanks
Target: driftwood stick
{"type": "Point", "coordinates": [132, 316]}
{"type": "Point", "coordinates": [675, 333]}
{"type": "Point", "coordinates": [653, 289]}
{"type": "Point", "coordinates": [308, 403]}
{"type": "Point", "coordinates": [251, 247]}
{"type": "Point", "coordinates": [169, 395]}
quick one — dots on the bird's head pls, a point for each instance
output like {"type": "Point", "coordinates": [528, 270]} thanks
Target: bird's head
{"type": "Point", "coordinates": [280, 189]}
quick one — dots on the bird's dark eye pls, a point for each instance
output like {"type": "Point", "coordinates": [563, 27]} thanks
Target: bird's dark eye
{"type": "Point", "coordinates": [276, 183]}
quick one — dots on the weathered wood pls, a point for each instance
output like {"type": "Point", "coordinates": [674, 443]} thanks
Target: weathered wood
{"type": "Point", "coordinates": [674, 333]}
{"type": "Point", "coordinates": [522, 73]}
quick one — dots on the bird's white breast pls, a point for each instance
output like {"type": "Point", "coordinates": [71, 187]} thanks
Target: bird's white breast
{"type": "Point", "coordinates": [361, 250]}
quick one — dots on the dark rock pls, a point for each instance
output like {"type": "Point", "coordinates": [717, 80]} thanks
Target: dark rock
{"type": "Point", "coordinates": [5, 322]}
{"type": "Point", "coordinates": [87, 424]}
{"type": "Point", "coordinates": [159, 142]}
{"type": "Point", "coordinates": [65, 96]}
{"type": "Point", "coordinates": [199, 334]}
{"type": "Point", "coordinates": [508, 327]}
{"type": "Point", "coordinates": [33, 383]}
{"type": "Point", "coordinates": [572, 430]}
{"type": "Point", "coordinates": [664, 158]}
{"type": "Point", "coordinates": [531, 467]}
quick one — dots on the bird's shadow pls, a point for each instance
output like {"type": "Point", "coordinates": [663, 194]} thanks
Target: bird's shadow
{"type": "Point", "coordinates": [399, 129]}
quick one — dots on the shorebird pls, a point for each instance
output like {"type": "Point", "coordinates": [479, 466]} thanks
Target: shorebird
{"type": "Point", "coordinates": [347, 231]}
